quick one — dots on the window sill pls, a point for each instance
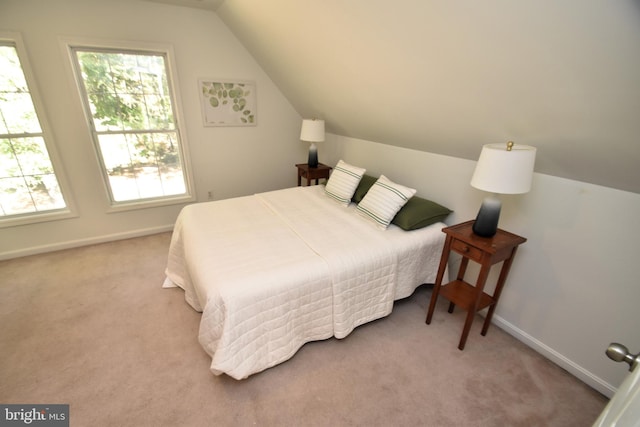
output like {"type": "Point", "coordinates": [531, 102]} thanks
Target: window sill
{"type": "Point", "coordinates": [34, 218]}
{"type": "Point", "coordinates": [150, 203]}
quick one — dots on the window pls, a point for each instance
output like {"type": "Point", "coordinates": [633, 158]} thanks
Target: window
{"type": "Point", "coordinates": [129, 104]}
{"type": "Point", "coordinates": [30, 191]}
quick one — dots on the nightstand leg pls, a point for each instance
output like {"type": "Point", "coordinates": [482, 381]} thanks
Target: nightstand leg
{"type": "Point", "coordinates": [487, 320]}
{"type": "Point", "coordinates": [467, 327]}
{"type": "Point", "coordinates": [441, 269]}
{"type": "Point", "coordinates": [506, 266]}
{"type": "Point", "coordinates": [464, 262]}
{"type": "Point", "coordinates": [479, 288]}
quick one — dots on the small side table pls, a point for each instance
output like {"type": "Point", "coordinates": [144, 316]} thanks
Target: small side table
{"type": "Point", "coordinates": [304, 171]}
{"type": "Point", "coordinates": [484, 250]}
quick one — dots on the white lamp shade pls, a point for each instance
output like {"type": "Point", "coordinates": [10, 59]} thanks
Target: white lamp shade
{"type": "Point", "coordinates": [312, 130]}
{"type": "Point", "coordinates": [503, 171]}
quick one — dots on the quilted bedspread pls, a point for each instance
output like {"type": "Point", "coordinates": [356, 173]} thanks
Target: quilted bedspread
{"type": "Point", "coordinates": [275, 270]}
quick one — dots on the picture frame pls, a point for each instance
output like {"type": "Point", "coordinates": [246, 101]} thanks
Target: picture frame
{"type": "Point", "coordinates": [228, 102]}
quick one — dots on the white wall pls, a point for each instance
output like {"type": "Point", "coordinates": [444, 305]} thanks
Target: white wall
{"type": "Point", "coordinates": [572, 289]}
{"type": "Point", "coordinates": [229, 161]}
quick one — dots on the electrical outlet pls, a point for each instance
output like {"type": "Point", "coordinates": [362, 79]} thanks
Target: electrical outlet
{"type": "Point", "coordinates": [210, 195]}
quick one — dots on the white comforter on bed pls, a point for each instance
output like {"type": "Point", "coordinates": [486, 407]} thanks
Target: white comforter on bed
{"type": "Point", "coordinates": [273, 271]}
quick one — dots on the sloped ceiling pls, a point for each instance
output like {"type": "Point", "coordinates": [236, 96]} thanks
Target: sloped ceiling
{"type": "Point", "coordinates": [449, 76]}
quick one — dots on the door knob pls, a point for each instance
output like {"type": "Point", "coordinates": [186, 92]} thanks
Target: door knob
{"type": "Point", "coordinates": [620, 353]}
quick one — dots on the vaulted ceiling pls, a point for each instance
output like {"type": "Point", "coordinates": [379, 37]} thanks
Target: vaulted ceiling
{"type": "Point", "coordinates": [449, 76]}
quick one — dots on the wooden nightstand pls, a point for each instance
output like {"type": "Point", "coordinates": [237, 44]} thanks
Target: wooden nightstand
{"type": "Point", "coordinates": [484, 250]}
{"type": "Point", "coordinates": [304, 171]}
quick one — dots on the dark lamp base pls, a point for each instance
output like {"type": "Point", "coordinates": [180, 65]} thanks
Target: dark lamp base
{"type": "Point", "coordinates": [486, 223]}
{"type": "Point", "coordinates": [313, 156]}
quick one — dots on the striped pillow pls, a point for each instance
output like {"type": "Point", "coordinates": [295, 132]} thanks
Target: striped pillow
{"type": "Point", "coordinates": [383, 201]}
{"type": "Point", "coordinates": [343, 182]}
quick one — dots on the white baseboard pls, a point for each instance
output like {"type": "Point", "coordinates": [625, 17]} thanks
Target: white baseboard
{"type": "Point", "coordinates": [585, 376]}
{"type": "Point", "coordinates": [84, 242]}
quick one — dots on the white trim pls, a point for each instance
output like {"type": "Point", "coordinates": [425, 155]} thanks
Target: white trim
{"type": "Point", "coordinates": [69, 211]}
{"type": "Point", "coordinates": [150, 203]}
{"type": "Point", "coordinates": [37, 217]}
{"type": "Point", "coordinates": [68, 44]}
{"type": "Point", "coordinates": [84, 242]}
{"type": "Point", "coordinates": [578, 371]}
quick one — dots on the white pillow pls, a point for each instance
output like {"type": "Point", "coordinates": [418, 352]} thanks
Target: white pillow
{"type": "Point", "coordinates": [383, 201]}
{"type": "Point", "coordinates": [343, 182]}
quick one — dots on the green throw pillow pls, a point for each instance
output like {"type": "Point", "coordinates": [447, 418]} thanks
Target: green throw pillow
{"type": "Point", "coordinates": [418, 213]}
{"type": "Point", "coordinates": [365, 184]}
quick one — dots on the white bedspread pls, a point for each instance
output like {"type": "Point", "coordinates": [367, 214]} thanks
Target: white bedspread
{"type": "Point", "coordinates": [273, 271]}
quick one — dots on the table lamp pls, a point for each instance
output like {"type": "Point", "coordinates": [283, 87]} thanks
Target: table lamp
{"type": "Point", "coordinates": [501, 169]}
{"type": "Point", "coordinates": [312, 131]}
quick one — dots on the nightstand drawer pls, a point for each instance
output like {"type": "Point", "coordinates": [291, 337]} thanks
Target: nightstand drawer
{"type": "Point", "coordinates": [466, 250]}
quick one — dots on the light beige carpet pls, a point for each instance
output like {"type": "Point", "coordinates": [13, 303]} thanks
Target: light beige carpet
{"type": "Point", "coordinates": [93, 328]}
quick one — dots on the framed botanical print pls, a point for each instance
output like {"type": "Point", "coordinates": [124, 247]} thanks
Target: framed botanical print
{"type": "Point", "coordinates": [228, 102]}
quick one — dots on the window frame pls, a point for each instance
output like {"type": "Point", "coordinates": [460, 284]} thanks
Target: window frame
{"type": "Point", "coordinates": [72, 45]}
{"type": "Point", "coordinates": [14, 39]}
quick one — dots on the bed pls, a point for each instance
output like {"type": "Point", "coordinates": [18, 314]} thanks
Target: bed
{"type": "Point", "coordinates": [275, 270]}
